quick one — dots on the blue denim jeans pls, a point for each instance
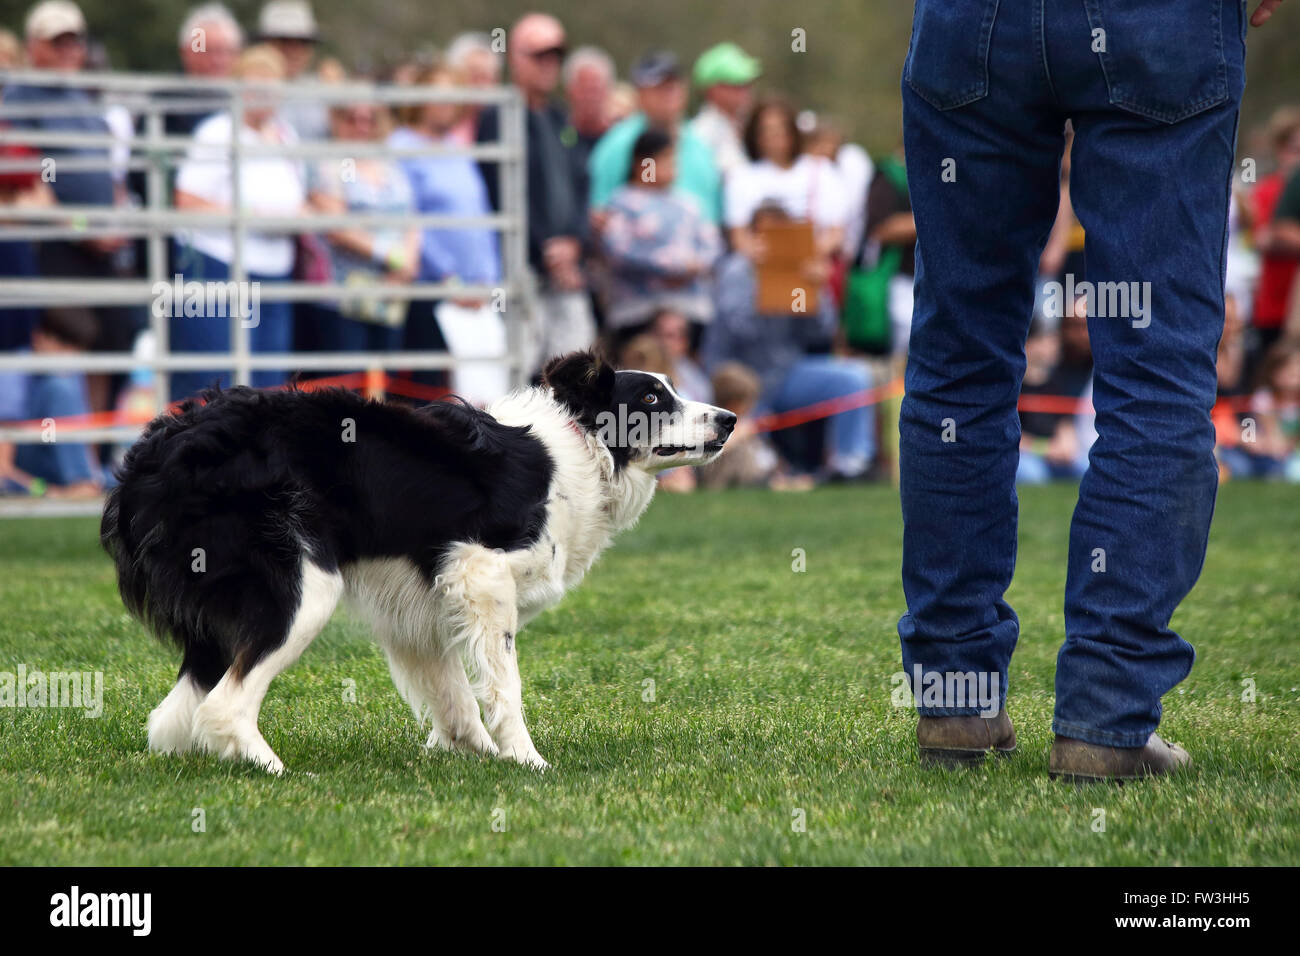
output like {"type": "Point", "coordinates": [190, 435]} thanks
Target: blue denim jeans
{"type": "Point", "coordinates": [850, 435]}
{"type": "Point", "coordinates": [57, 395]}
{"type": "Point", "coordinates": [211, 332]}
{"type": "Point", "coordinates": [1153, 89]}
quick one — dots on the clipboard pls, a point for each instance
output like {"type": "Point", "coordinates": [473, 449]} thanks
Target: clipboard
{"type": "Point", "coordinates": [781, 280]}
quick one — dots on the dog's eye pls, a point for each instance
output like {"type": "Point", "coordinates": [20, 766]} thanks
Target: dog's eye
{"type": "Point", "coordinates": [650, 398]}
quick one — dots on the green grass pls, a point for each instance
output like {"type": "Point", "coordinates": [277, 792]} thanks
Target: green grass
{"type": "Point", "coordinates": [771, 694]}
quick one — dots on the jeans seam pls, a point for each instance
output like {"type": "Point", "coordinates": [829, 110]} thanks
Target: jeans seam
{"type": "Point", "coordinates": [1042, 50]}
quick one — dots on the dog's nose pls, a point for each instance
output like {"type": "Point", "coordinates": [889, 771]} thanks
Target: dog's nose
{"type": "Point", "coordinates": [725, 422]}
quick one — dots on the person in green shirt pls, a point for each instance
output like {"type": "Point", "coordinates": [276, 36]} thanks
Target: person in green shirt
{"type": "Point", "coordinates": [662, 95]}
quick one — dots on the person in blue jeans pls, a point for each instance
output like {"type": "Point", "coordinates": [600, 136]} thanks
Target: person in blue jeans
{"type": "Point", "coordinates": [51, 466]}
{"type": "Point", "coordinates": [1153, 89]}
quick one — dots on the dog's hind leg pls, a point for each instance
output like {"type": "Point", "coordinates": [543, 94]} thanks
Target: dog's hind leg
{"type": "Point", "coordinates": [226, 722]}
{"type": "Point", "coordinates": [483, 609]}
{"type": "Point", "coordinates": [434, 684]}
{"type": "Point", "coordinates": [171, 725]}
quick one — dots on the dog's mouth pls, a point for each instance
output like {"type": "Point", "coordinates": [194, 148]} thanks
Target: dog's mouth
{"type": "Point", "coordinates": [708, 448]}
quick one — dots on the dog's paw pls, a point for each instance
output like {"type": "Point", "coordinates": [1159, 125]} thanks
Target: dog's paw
{"type": "Point", "coordinates": [475, 740]}
{"type": "Point", "coordinates": [529, 758]}
{"type": "Point", "coordinates": [274, 765]}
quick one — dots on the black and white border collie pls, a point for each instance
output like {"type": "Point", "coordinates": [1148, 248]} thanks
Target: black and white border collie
{"type": "Point", "coordinates": [241, 521]}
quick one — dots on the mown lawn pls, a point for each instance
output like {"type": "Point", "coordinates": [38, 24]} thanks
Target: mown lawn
{"type": "Point", "coordinates": [770, 704]}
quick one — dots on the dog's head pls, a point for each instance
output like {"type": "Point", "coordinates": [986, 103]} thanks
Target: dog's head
{"type": "Point", "coordinates": [638, 415]}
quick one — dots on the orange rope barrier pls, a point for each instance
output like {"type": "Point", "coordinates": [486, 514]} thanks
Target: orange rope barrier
{"type": "Point", "coordinates": [353, 381]}
{"type": "Point", "coordinates": [828, 407]}
{"type": "Point", "coordinates": [408, 389]}
{"type": "Point", "coordinates": [375, 383]}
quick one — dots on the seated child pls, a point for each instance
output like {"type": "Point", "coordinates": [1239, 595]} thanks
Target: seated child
{"type": "Point", "coordinates": [63, 469]}
{"type": "Point", "coordinates": [1269, 445]}
{"type": "Point", "coordinates": [747, 458]}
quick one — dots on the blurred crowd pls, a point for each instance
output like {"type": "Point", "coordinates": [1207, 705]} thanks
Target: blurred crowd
{"type": "Point", "coordinates": [660, 204]}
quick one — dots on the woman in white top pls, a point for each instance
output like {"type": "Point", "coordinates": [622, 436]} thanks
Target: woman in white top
{"type": "Point", "coordinates": [806, 187]}
{"type": "Point", "coordinates": [782, 183]}
{"type": "Point", "coordinates": [269, 186]}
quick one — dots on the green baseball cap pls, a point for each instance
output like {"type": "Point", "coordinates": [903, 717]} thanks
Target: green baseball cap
{"type": "Point", "coordinates": [725, 63]}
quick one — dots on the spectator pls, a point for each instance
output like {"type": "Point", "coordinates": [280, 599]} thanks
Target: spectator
{"type": "Point", "coordinates": [645, 353]}
{"type": "Point", "coordinates": [209, 41]}
{"type": "Point", "coordinates": [366, 184]}
{"type": "Point", "coordinates": [1233, 390]}
{"type": "Point", "coordinates": [747, 460]}
{"type": "Point", "coordinates": [619, 105]}
{"type": "Point", "coordinates": [588, 79]}
{"type": "Point", "coordinates": [268, 185]}
{"type": "Point", "coordinates": [450, 185]}
{"type": "Point", "coordinates": [18, 189]}
{"type": "Point", "coordinates": [855, 170]}
{"type": "Point", "coordinates": [1275, 208]}
{"type": "Point", "coordinates": [788, 353]}
{"type": "Point", "coordinates": [1270, 447]}
{"type": "Point", "coordinates": [890, 242]}
{"type": "Point", "coordinates": [290, 27]}
{"type": "Point", "coordinates": [56, 40]}
{"type": "Point", "coordinates": [780, 172]}
{"type": "Point", "coordinates": [556, 227]}
{"type": "Point", "coordinates": [121, 124]}
{"type": "Point", "coordinates": [725, 74]}
{"type": "Point", "coordinates": [58, 468]}
{"type": "Point", "coordinates": [661, 97]}
{"type": "Point", "coordinates": [1058, 366]}
{"type": "Point", "coordinates": [660, 249]}
{"type": "Point", "coordinates": [673, 330]}
{"type": "Point", "coordinates": [11, 51]}
{"type": "Point", "coordinates": [472, 58]}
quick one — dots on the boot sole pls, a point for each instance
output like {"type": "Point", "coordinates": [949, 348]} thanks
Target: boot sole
{"type": "Point", "coordinates": [1082, 778]}
{"type": "Point", "coordinates": [955, 759]}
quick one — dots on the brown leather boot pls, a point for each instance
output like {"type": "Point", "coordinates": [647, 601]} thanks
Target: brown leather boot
{"type": "Point", "coordinates": [1078, 761]}
{"type": "Point", "coordinates": [962, 741]}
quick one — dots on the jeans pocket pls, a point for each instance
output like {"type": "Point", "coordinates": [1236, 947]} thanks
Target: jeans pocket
{"type": "Point", "coordinates": [1163, 59]}
{"type": "Point", "coordinates": [948, 59]}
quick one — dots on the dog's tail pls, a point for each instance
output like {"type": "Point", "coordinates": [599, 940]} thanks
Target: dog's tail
{"type": "Point", "coordinates": [138, 531]}
{"type": "Point", "coordinates": [202, 537]}
{"type": "Point", "coordinates": [132, 527]}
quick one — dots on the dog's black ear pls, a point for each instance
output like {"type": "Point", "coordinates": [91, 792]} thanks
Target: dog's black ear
{"type": "Point", "coordinates": [581, 381]}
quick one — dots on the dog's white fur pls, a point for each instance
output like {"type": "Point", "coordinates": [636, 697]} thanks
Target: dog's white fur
{"type": "Point", "coordinates": [452, 648]}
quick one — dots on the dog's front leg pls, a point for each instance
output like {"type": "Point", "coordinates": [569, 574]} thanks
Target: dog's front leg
{"type": "Point", "coordinates": [480, 586]}
{"type": "Point", "coordinates": [503, 705]}
{"type": "Point", "coordinates": [435, 685]}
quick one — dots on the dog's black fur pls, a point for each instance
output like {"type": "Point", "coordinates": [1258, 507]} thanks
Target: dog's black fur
{"type": "Point", "coordinates": [257, 479]}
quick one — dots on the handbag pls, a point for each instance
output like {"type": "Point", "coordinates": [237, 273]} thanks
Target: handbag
{"type": "Point", "coordinates": [864, 315]}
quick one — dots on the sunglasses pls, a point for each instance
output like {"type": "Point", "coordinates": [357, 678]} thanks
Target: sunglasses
{"type": "Point", "coordinates": [558, 52]}
{"type": "Point", "coordinates": [65, 40]}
